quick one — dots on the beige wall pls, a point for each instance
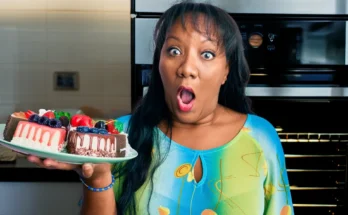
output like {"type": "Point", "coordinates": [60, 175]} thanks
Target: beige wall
{"type": "Point", "coordinates": [39, 37]}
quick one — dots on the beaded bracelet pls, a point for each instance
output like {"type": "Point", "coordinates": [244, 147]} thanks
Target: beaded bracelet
{"type": "Point", "coordinates": [99, 189]}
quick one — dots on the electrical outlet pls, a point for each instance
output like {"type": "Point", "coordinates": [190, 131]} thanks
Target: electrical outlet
{"type": "Point", "coordinates": [66, 80]}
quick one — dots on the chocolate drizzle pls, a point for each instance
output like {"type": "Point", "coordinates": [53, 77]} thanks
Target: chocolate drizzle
{"type": "Point", "coordinates": [115, 143]}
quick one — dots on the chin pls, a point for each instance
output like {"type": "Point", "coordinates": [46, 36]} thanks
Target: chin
{"type": "Point", "coordinates": [186, 117]}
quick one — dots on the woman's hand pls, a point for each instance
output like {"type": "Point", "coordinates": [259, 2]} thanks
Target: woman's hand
{"type": "Point", "coordinates": [91, 172]}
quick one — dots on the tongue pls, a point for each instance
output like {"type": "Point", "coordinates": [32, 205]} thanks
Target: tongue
{"type": "Point", "coordinates": [186, 96]}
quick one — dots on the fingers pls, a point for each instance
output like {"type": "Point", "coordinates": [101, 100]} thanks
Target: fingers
{"type": "Point", "coordinates": [87, 170]}
{"type": "Point", "coordinates": [51, 164]}
{"type": "Point", "coordinates": [35, 160]}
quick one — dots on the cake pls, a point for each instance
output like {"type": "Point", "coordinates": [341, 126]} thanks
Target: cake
{"type": "Point", "coordinates": [48, 137]}
{"type": "Point", "coordinates": [96, 144]}
{"type": "Point", "coordinates": [12, 123]}
{"type": "Point", "coordinates": [56, 131]}
{"type": "Point", "coordinates": [102, 140]}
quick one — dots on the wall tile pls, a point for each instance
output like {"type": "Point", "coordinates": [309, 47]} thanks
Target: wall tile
{"type": "Point", "coordinates": [75, 5]}
{"type": "Point", "coordinates": [23, 4]}
{"type": "Point", "coordinates": [39, 37]}
{"type": "Point", "coordinates": [116, 81]}
{"type": "Point", "coordinates": [75, 21]}
{"type": "Point", "coordinates": [117, 5]}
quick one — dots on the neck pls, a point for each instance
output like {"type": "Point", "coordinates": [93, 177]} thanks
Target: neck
{"type": "Point", "coordinates": [208, 120]}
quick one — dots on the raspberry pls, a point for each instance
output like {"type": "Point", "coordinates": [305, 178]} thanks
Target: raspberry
{"type": "Point", "coordinates": [82, 129]}
{"type": "Point", "coordinates": [34, 118]}
{"type": "Point", "coordinates": [54, 123]}
{"type": "Point", "coordinates": [43, 120]}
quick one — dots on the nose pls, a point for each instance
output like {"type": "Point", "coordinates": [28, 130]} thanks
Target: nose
{"type": "Point", "coordinates": [188, 67]}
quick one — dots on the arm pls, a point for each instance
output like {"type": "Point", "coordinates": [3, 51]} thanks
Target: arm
{"type": "Point", "coordinates": [276, 185]}
{"type": "Point", "coordinates": [102, 203]}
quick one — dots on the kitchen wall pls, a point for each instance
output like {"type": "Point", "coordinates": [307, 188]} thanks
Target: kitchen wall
{"type": "Point", "coordinates": [39, 37]}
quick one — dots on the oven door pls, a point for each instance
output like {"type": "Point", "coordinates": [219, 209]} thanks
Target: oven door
{"type": "Point", "coordinates": [314, 136]}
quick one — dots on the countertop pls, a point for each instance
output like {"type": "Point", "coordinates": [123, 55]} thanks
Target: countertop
{"type": "Point", "coordinates": [24, 171]}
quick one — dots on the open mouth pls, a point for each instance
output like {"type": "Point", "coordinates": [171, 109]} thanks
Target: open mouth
{"type": "Point", "coordinates": [185, 97]}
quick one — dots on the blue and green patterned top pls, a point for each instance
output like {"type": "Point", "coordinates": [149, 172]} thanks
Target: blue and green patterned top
{"type": "Point", "coordinates": [246, 176]}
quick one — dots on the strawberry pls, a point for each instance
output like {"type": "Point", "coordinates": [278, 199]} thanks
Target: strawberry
{"type": "Point", "coordinates": [81, 120]}
{"type": "Point", "coordinates": [86, 121]}
{"type": "Point", "coordinates": [75, 120]}
{"type": "Point", "coordinates": [50, 115]}
{"type": "Point", "coordinates": [115, 131]}
{"type": "Point", "coordinates": [29, 113]}
{"type": "Point", "coordinates": [110, 125]}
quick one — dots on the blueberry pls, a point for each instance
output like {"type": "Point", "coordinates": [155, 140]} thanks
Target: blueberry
{"type": "Point", "coordinates": [54, 123]}
{"type": "Point", "coordinates": [82, 129]}
{"type": "Point", "coordinates": [43, 120]}
{"type": "Point", "coordinates": [103, 131]}
{"type": "Point", "coordinates": [94, 130]}
{"type": "Point", "coordinates": [100, 124]}
{"type": "Point", "coordinates": [64, 120]}
{"type": "Point", "coordinates": [34, 118]}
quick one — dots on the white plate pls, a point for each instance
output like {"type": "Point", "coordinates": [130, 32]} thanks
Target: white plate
{"type": "Point", "coordinates": [64, 156]}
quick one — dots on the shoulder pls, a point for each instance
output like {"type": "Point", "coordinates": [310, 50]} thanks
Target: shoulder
{"type": "Point", "coordinates": [264, 133]}
{"type": "Point", "coordinates": [123, 122]}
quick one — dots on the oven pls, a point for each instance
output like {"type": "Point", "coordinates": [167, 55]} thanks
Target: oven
{"type": "Point", "coordinates": [298, 57]}
{"type": "Point", "coordinates": [314, 136]}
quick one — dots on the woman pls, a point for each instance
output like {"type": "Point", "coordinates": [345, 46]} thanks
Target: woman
{"type": "Point", "coordinates": [201, 151]}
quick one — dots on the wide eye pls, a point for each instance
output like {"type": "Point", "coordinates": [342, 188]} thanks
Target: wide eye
{"type": "Point", "coordinates": [174, 51]}
{"type": "Point", "coordinates": [208, 55]}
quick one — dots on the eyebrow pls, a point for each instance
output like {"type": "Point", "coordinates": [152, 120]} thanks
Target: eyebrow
{"type": "Point", "coordinates": [203, 41]}
{"type": "Point", "coordinates": [173, 37]}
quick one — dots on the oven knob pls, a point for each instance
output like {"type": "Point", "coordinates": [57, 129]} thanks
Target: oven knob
{"type": "Point", "coordinates": [271, 48]}
{"type": "Point", "coordinates": [255, 40]}
{"type": "Point", "coordinates": [271, 37]}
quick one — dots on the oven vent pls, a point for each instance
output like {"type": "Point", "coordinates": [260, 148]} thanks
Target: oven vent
{"type": "Point", "coordinates": [317, 169]}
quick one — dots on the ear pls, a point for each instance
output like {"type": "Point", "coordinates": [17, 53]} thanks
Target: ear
{"type": "Point", "coordinates": [225, 76]}
{"type": "Point", "coordinates": [224, 80]}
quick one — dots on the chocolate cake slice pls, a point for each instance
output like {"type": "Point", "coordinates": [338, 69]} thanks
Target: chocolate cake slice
{"type": "Point", "coordinates": [96, 145]}
{"type": "Point", "coordinates": [11, 125]}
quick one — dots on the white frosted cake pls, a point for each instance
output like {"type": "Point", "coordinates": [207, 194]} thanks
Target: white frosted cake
{"type": "Point", "coordinates": [39, 136]}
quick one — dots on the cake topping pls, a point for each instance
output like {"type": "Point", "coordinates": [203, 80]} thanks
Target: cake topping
{"type": "Point", "coordinates": [103, 131]}
{"type": "Point", "coordinates": [59, 114]}
{"type": "Point", "coordinates": [49, 114]}
{"type": "Point", "coordinates": [34, 118]}
{"type": "Point", "coordinates": [81, 120]}
{"type": "Point", "coordinates": [85, 129]}
{"type": "Point", "coordinates": [19, 115]}
{"type": "Point", "coordinates": [110, 126]}
{"type": "Point", "coordinates": [118, 126]}
{"type": "Point", "coordinates": [94, 130]}
{"type": "Point", "coordinates": [100, 124]}
{"type": "Point", "coordinates": [29, 113]}
{"type": "Point", "coordinates": [82, 129]}
{"type": "Point", "coordinates": [43, 111]}
{"type": "Point", "coordinates": [64, 120]}
{"type": "Point", "coordinates": [43, 120]}
{"type": "Point", "coordinates": [54, 123]}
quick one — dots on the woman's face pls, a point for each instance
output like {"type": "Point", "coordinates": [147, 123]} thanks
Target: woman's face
{"type": "Point", "coordinates": [192, 68]}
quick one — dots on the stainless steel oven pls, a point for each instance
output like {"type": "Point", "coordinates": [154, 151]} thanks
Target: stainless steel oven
{"type": "Point", "coordinates": [298, 55]}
